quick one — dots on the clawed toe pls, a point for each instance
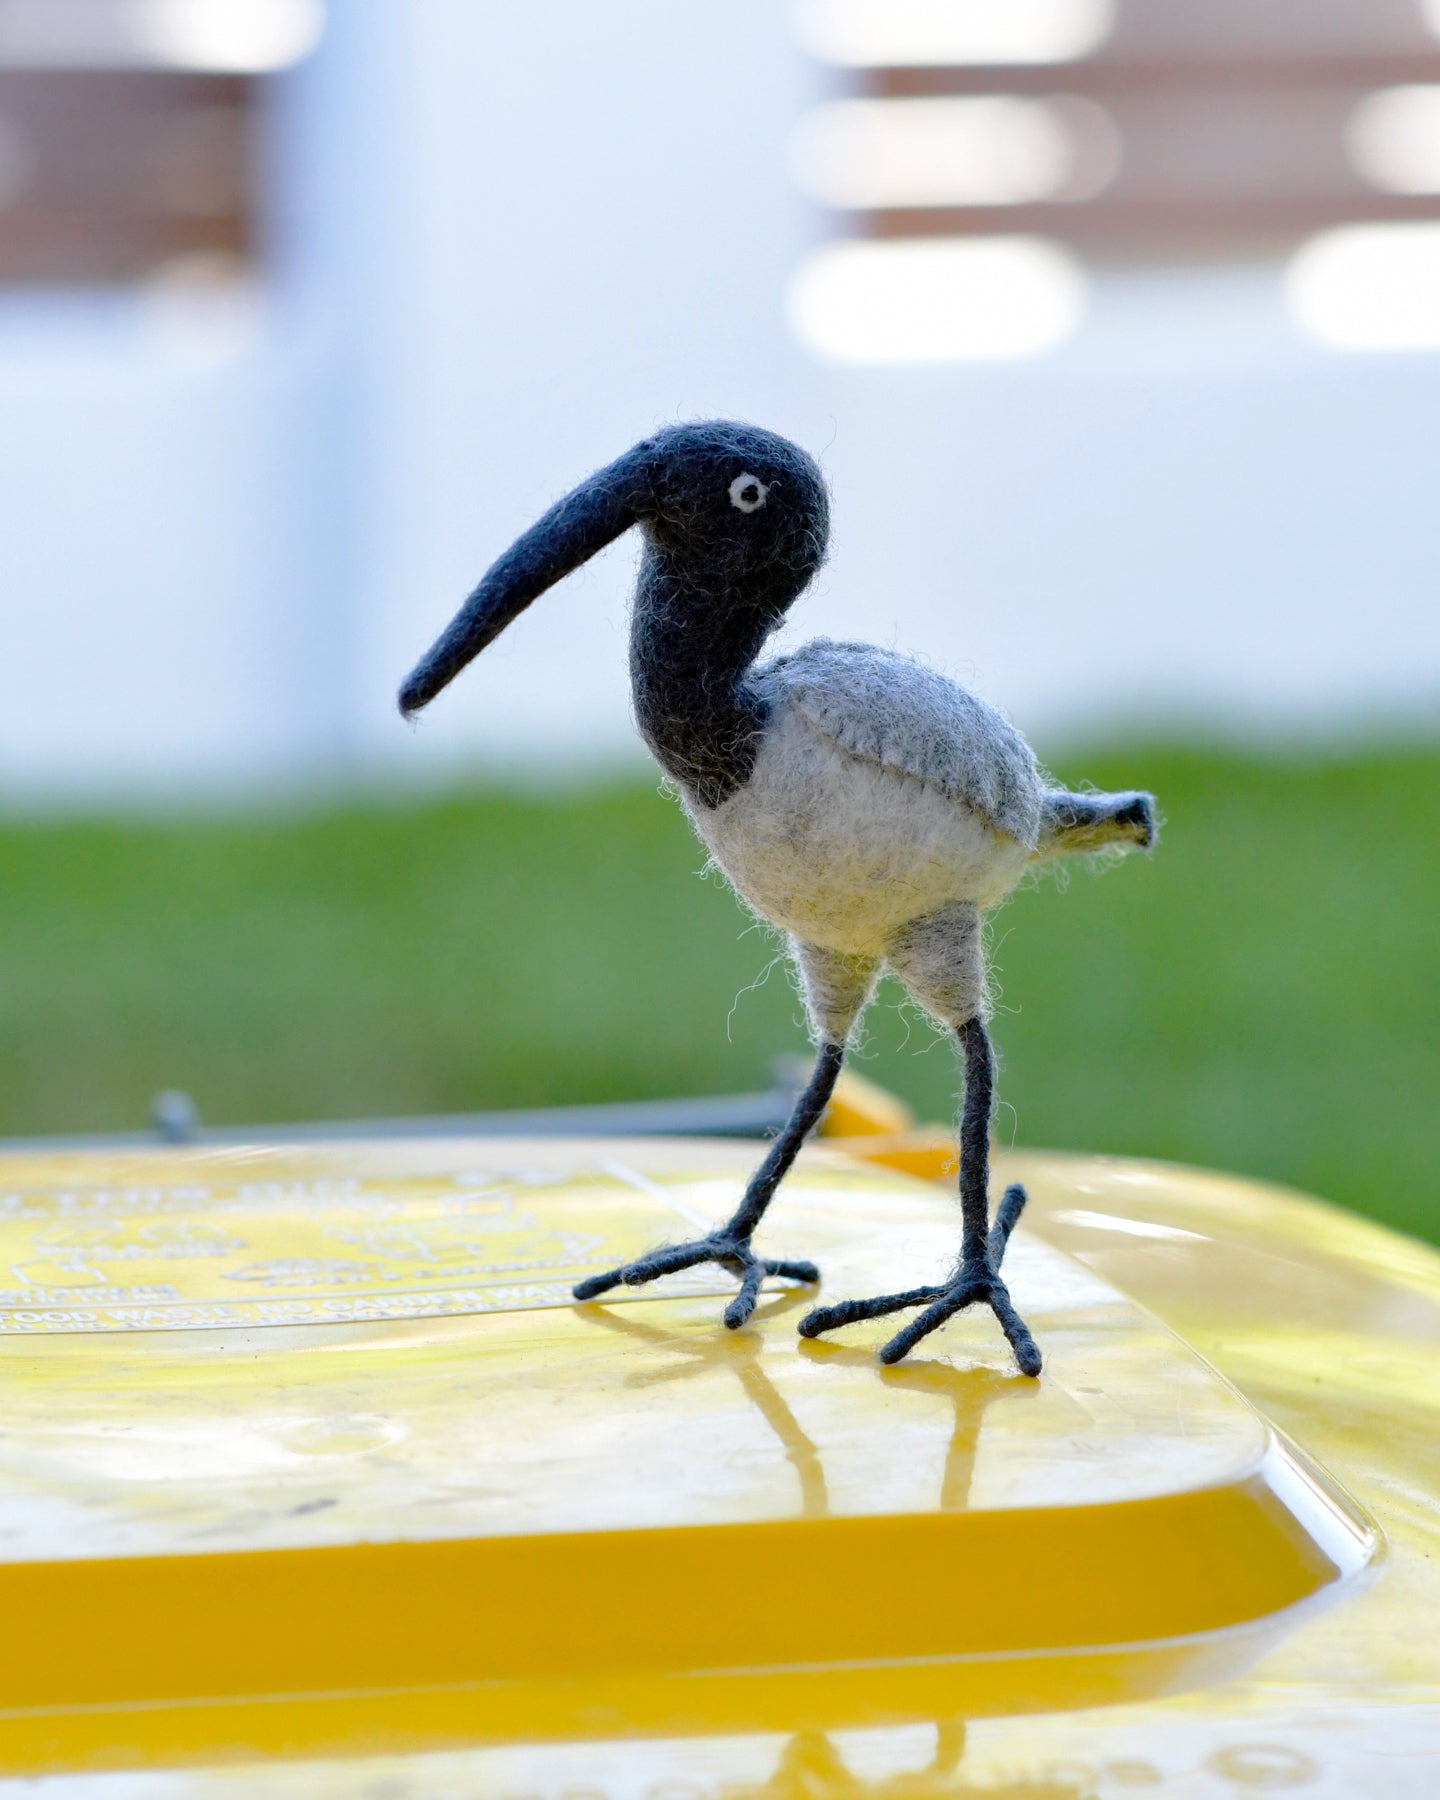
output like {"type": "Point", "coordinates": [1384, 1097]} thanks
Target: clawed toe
{"type": "Point", "coordinates": [793, 1271]}
{"type": "Point", "coordinates": [732, 1254]}
{"type": "Point", "coordinates": [669, 1259]}
{"type": "Point", "coordinates": [851, 1312]}
{"type": "Point", "coordinates": [741, 1307]}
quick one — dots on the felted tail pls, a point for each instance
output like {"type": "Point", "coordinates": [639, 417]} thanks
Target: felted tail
{"type": "Point", "coordinates": [1081, 824]}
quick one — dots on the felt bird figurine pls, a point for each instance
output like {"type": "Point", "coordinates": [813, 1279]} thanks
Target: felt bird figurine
{"type": "Point", "coordinates": [866, 806]}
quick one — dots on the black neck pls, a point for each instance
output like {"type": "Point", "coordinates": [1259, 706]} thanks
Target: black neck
{"type": "Point", "coordinates": [690, 649]}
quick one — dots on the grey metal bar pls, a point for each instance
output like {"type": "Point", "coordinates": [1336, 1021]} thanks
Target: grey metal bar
{"type": "Point", "coordinates": [720, 1115]}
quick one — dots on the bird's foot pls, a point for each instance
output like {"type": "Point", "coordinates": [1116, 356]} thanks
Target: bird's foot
{"type": "Point", "coordinates": [977, 1279]}
{"type": "Point", "coordinates": [975, 1282]}
{"type": "Point", "coordinates": [731, 1252]}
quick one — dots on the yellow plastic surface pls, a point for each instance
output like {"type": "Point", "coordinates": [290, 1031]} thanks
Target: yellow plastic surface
{"type": "Point", "coordinates": [861, 1108]}
{"type": "Point", "coordinates": [543, 1549]}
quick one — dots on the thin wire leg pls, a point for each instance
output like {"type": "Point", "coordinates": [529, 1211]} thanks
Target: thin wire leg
{"type": "Point", "coordinates": [729, 1245]}
{"type": "Point", "coordinates": [983, 1242]}
{"type": "Point", "coordinates": [975, 1143]}
{"type": "Point", "coordinates": [809, 1109]}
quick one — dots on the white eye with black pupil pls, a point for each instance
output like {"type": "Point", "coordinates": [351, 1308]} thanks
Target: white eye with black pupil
{"type": "Point", "coordinates": [748, 492]}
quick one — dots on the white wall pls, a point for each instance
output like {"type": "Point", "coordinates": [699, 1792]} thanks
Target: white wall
{"type": "Point", "coordinates": [1187, 516]}
{"type": "Point", "coordinates": [605, 229]}
{"type": "Point", "coordinates": [509, 242]}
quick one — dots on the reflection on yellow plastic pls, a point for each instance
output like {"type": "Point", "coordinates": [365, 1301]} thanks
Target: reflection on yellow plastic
{"type": "Point", "coordinates": [621, 1547]}
{"type": "Point", "coordinates": [236, 1242]}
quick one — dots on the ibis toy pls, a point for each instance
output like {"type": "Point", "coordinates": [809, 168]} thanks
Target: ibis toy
{"type": "Point", "coordinates": [859, 802]}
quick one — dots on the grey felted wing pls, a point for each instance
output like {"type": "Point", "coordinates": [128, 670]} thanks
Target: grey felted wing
{"type": "Point", "coordinates": [890, 710]}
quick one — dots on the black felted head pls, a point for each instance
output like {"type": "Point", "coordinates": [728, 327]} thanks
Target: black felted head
{"type": "Point", "coordinates": [736, 522]}
{"type": "Point", "coordinates": [736, 511]}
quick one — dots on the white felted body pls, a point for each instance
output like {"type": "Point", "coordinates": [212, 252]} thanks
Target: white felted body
{"type": "Point", "coordinates": [856, 820]}
{"type": "Point", "coordinates": [842, 852]}
{"type": "Point", "coordinates": [888, 808]}
{"type": "Point", "coordinates": [889, 710]}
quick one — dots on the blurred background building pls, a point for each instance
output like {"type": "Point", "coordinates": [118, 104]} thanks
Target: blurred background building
{"type": "Point", "coordinates": [1113, 321]}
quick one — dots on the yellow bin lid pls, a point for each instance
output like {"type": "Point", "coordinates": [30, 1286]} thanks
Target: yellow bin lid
{"type": "Point", "coordinates": [310, 1447]}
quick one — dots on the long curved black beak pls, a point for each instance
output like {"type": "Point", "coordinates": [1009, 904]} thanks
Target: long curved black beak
{"type": "Point", "coordinates": [573, 531]}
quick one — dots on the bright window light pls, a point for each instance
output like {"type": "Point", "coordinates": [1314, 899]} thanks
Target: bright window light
{"type": "Point", "coordinates": [229, 36]}
{"type": "Point", "coordinates": [876, 33]}
{"type": "Point", "coordinates": [989, 150]}
{"type": "Point", "coordinates": [1394, 139]}
{"type": "Point", "coordinates": [936, 300]}
{"type": "Point", "coordinates": [1369, 287]}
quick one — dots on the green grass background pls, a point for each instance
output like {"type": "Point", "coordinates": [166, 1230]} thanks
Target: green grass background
{"type": "Point", "coordinates": [1260, 996]}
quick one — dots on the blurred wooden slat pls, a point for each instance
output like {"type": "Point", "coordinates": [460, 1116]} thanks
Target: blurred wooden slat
{"type": "Point", "coordinates": [117, 172]}
{"type": "Point", "coordinates": [1105, 77]}
{"type": "Point", "coordinates": [1218, 157]}
{"type": "Point", "coordinates": [1143, 228]}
